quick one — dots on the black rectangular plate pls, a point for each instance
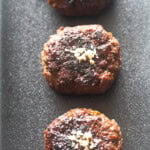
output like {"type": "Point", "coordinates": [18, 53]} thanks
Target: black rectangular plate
{"type": "Point", "coordinates": [28, 104]}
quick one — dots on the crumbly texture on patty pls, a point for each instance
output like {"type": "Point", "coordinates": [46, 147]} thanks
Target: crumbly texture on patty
{"type": "Point", "coordinates": [83, 129]}
{"type": "Point", "coordinates": [79, 7]}
{"type": "Point", "coordinates": [81, 60]}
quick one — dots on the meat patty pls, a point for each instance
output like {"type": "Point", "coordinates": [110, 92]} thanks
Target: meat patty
{"type": "Point", "coordinates": [83, 129]}
{"type": "Point", "coordinates": [81, 60]}
{"type": "Point", "coordinates": [79, 7]}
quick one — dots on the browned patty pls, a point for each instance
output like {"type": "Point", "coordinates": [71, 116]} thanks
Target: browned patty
{"type": "Point", "coordinates": [81, 60]}
{"type": "Point", "coordinates": [79, 7]}
{"type": "Point", "coordinates": [83, 129]}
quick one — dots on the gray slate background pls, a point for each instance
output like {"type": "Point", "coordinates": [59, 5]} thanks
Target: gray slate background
{"type": "Point", "coordinates": [28, 105]}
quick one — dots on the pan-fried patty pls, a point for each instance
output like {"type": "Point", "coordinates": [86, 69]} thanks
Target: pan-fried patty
{"type": "Point", "coordinates": [81, 60]}
{"type": "Point", "coordinates": [83, 129]}
{"type": "Point", "coordinates": [79, 7]}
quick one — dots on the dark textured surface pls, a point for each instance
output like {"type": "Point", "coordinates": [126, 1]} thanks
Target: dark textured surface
{"type": "Point", "coordinates": [28, 105]}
